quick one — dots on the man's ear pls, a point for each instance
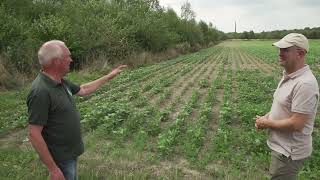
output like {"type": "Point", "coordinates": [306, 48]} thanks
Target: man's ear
{"type": "Point", "coordinates": [55, 61]}
{"type": "Point", "coordinates": [302, 52]}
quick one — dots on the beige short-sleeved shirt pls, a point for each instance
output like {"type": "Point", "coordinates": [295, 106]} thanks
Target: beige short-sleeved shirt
{"type": "Point", "coordinates": [297, 92]}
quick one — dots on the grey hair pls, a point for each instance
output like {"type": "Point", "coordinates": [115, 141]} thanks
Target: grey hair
{"type": "Point", "coordinates": [50, 50]}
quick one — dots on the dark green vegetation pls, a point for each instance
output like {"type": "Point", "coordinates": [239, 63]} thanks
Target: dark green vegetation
{"type": "Point", "coordinates": [310, 33]}
{"type": "Point", "coordinates": [104, 30]}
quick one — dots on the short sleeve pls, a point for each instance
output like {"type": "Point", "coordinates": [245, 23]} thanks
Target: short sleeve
{"type": "Point", "coordinates": [38, 102]}
{"type": "Point", "coordinates": [71, 86]}
{"type": "Point", "coordinates": [305, 99]}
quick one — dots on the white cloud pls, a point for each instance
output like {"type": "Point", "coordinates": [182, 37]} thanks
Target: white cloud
{"type": "Point", "coordinates": [258, 15]}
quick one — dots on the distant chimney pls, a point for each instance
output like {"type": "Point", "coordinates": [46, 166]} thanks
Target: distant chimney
{"type": "Point", "coordinates": [235, 26]}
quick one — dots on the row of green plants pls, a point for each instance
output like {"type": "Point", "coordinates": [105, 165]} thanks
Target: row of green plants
{"type": "Point", "coordinates": [195, 134]}
{"type": "Point", "coordinates": [144, 119]}
{"type": "Point", "coordinates": [138, 118]}
{"type": "Point", "coordinates": [168, 138]}
{"type": "Point", "coordinates": [219, 142]}
{"type": "Point", "coordinates": [146, 77]}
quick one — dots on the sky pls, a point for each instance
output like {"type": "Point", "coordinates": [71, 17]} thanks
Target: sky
{"type": "Point", "coordinates": [255, 15]}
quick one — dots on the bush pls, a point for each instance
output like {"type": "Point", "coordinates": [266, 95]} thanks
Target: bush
{"type": "Point", "coordinates": [115, 29]}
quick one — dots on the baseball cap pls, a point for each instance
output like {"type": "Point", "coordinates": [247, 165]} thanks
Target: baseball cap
{"type": "Point", "coordinates": [293, 39]}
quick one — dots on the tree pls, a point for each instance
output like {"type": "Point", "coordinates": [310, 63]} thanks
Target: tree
{"type": "Point", "coordinates": [186, 12]}
{"type": "Point", "coordinates": [154, 4]}
{"type": "Point", "coordinates": [251, 35]}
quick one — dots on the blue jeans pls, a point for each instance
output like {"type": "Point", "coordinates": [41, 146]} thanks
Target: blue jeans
{"type": "Point", "coordinates": [69, 169]}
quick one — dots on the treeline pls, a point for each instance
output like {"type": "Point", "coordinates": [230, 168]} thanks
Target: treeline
{"type": "Point", "coordinates": [115, 28]}
{"type": "Point", "coordinates": [310, 33]}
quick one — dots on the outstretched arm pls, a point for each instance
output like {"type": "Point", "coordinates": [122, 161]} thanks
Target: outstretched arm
{"type": "Point", "coordinates": [92, 86]}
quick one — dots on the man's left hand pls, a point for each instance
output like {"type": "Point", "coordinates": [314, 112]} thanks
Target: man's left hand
{"type": "Point", "coordinates": [117, 70]}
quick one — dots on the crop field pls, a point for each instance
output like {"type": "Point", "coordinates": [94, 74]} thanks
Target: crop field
{"type": "Point", "coordinates": [187, 118]}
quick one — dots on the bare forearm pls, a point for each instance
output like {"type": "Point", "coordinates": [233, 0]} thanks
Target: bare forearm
{"type": "Point", "coordinates": [295, 123]}
{"type": "Point", "coordinates": [283, 124]}
{"type": "Point", "coordinates": [92, 86]}
{"type": "Point", "coordinates": [42, 149]}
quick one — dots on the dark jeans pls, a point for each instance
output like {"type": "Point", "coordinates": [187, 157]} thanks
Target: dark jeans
{"type": "Point", "coordinates": [69, 169]}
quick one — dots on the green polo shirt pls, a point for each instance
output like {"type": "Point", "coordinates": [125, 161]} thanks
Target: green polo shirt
{"type": "Point", "coordinates": [51, 105]}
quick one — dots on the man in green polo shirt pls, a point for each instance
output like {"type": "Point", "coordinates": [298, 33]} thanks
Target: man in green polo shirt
{"type": "Point", "coordinates": [54, 121]}
{"type": "Point", "coordinates": [291, 119]}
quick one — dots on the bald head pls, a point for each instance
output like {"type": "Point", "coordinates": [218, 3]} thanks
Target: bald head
{"type": "Point", "coordinates": [50, 50]}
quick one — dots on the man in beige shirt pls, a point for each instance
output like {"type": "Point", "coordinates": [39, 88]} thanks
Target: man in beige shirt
{"type": "Point", "coordinates": [291, 119]}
